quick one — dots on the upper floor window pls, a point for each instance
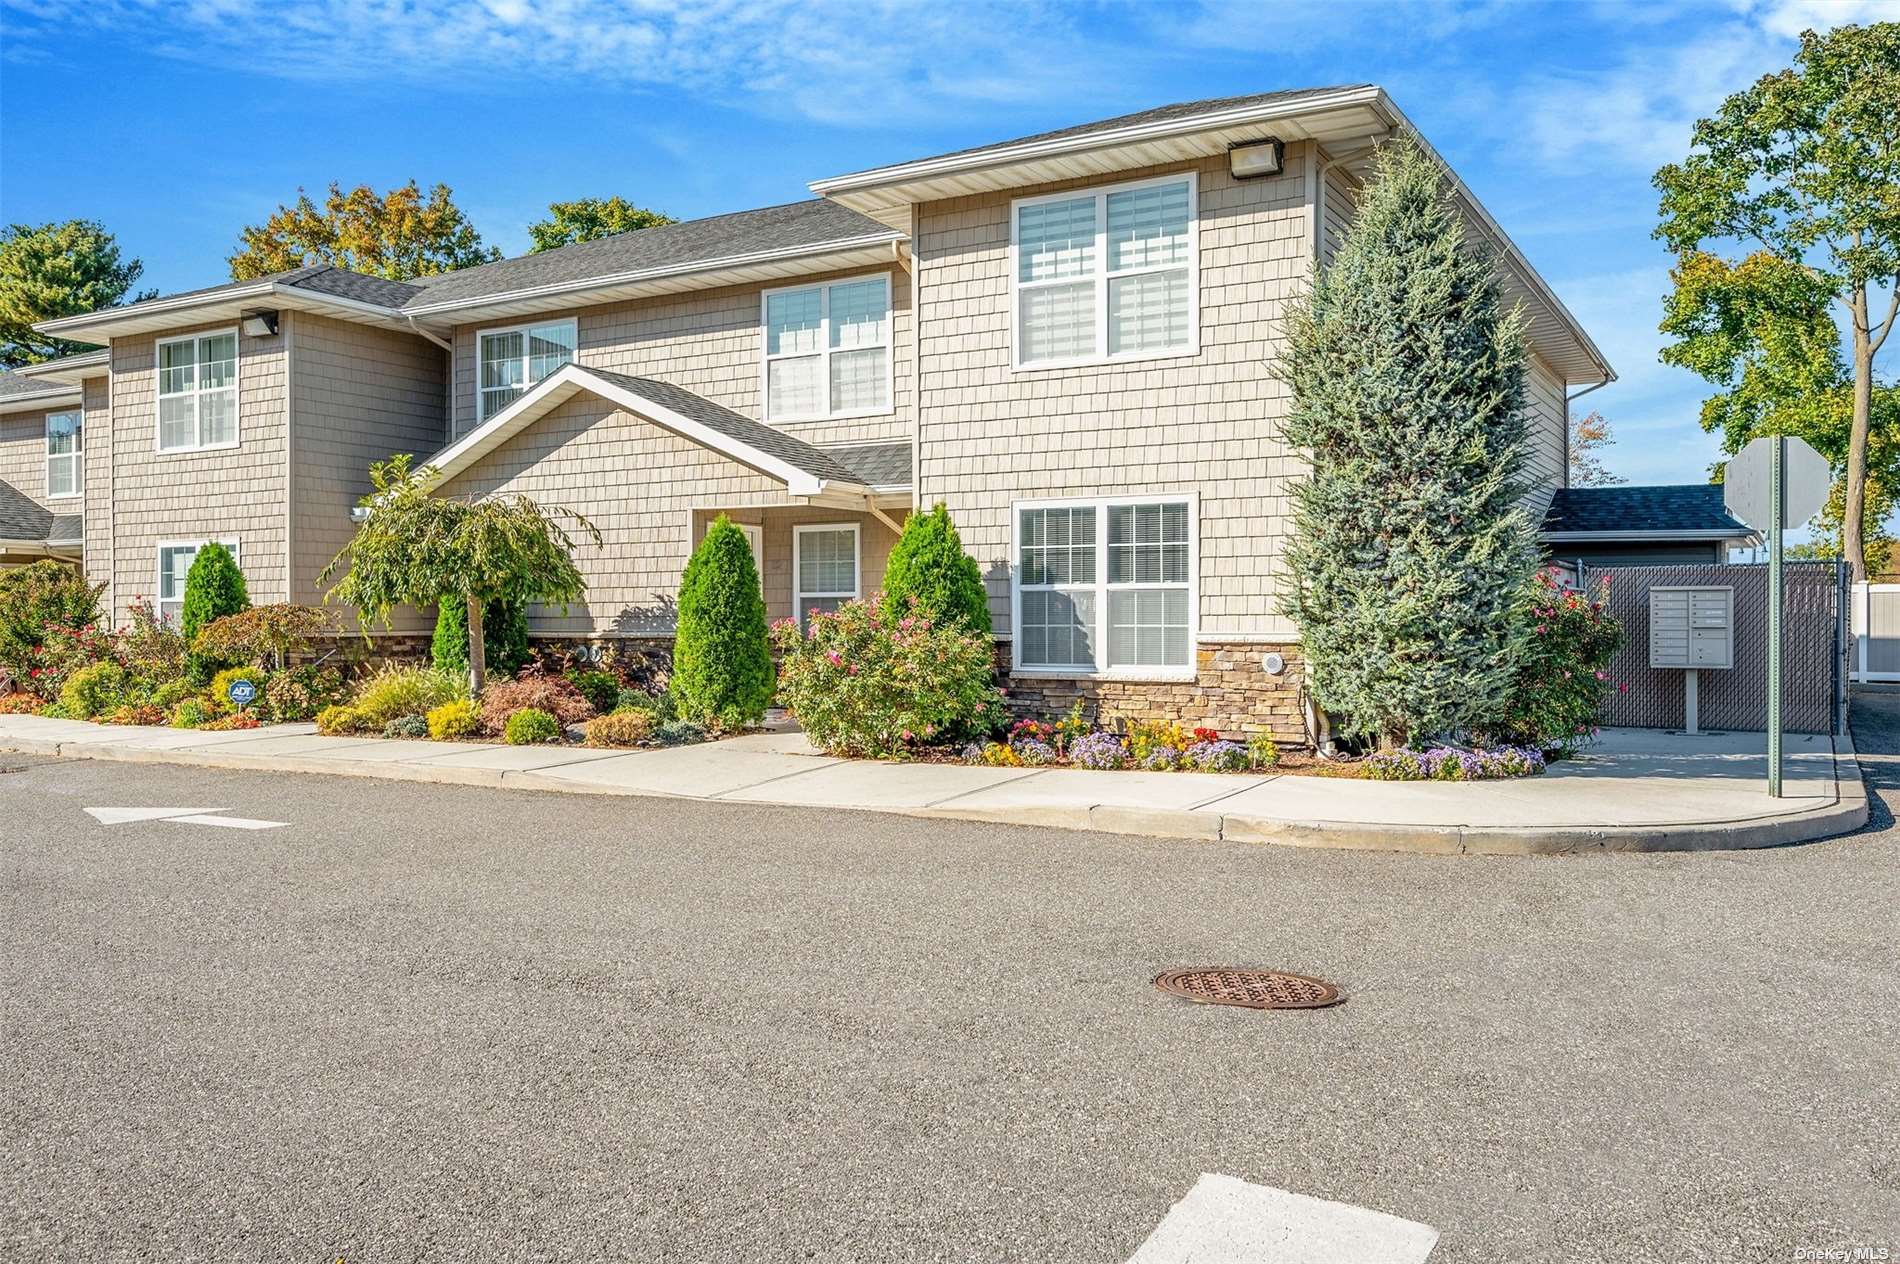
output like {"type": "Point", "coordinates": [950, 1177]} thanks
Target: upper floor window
{"type": "Point", "coordinates": [1107, 274]}
{"type": "Point", "coordinates": [828, 350]}
{"type": "Point", "coordinates": [197, 392]}
{"type": "Point", "coordinates": [512, 360]}
{"type": "Point", "coordinates": [65, 440]}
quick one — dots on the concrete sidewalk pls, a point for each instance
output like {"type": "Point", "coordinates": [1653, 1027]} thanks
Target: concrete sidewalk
{"type": "Point", "coordinates": [1637, 790]}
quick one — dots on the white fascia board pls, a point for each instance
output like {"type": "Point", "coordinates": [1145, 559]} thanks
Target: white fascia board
{"type": "Point", "coordinates": [925, 168]}
{"type": "Point", "coordinates": [1400, 122]}
{"type": "Point", "coordinates": [1613, 537]}
{"type": "Point", "coordinates": [64, 326]}
{"type": "Point", "coordinates": [70, 370]}
{"type": "Point", "coordinates": [190, 309]}
{"type": "Point", "coordinates": [568, 288]}
{"type": "Point", "coordinates": [34, 403]}
{"type": "Point", "coordinates": [570, 379]}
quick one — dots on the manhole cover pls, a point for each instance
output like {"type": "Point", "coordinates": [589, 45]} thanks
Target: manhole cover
{"type": "Point", "coordinates": [1255, 989]}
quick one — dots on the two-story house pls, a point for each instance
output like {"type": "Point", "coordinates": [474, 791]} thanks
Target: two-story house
{"type": "Point", "coordinates": [1069, 338]}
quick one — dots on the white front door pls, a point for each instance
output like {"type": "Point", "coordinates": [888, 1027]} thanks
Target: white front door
{"type": "Point", "coordinates": [757, 541]}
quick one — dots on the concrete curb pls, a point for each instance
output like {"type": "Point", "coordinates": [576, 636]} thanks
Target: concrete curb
{"type": "Point", "coordinates": [1847, 813]}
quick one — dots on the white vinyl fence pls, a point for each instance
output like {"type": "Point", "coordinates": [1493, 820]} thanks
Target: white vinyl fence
{"type": "Point", "coordinates": [1874, 611]}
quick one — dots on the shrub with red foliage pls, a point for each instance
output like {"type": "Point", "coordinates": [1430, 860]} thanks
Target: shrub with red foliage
{"type": "Point", "coordinates": [533, 687]}
{"type": "Point", "coordinates": [20, 703]}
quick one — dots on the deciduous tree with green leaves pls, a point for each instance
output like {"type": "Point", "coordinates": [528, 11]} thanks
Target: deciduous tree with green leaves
{"type": "Point", "coordinates": [397, 235]}
{"type": "Point", "coordinates": [1412, 553]}
{"type": "Point", "coordinates": [53, 270]}
{"type": "Point", "coordinates": [418, 548]}
{"type": "Point", "coordinates": [586, 219]}
{"type": "Point", "coordinates": [1589, 435]}
{"type": "Point", "coordinates": [1790, 205]}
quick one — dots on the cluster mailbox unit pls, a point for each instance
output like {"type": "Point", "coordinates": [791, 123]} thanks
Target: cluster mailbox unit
{"type": "Point", "coordinates": [1693, 629]}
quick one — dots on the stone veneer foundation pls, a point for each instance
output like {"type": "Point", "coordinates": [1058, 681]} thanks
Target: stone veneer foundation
{"type": "Point", "coordinates": [1231, 692]}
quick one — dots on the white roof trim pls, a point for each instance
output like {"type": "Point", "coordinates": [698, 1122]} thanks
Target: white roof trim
{"type": "Point", "coordinates": [568, 381]}
{"type": "Point", "coordinates": [47, 399]}
{"type": "Point", "coordinates": [1600, 537]}
{"type": "Point", "coordinates": [165, 314]}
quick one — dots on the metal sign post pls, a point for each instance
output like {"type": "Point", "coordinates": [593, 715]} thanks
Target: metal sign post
{"type": "Point", "coordinates": [1774, 479]}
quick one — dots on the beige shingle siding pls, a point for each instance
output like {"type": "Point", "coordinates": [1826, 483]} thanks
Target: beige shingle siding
{"type": "Point", "coordinates": [1342, 197]}
{"type": "Point", "coordinates": [712, 344]}
{"type": "Point", "coordinates": [641, 486]}
{"type": "Point", "coordinates": [233, 492]}
{"type": "Point", "coordinates": [358, 394]}
{"type": "Point", "coordinates": [23, 458]}
{"type": "Point", "coordinates": [1545, 414]}
{"type": "Point", "coordinates": [1207, 423]}
{"type": "Point", "coordinates": [96, 556]}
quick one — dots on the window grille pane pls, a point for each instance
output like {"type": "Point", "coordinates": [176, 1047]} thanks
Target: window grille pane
{"type": "Point", "coordinates": [793, 387]}
{"type": "Point", "coordinates": [1147, 627]}
{"type": "Point", "coordinates": [1148, 311]}
{"type": "Point", "coordinates": [177, 367]}
{"type": "Point", "coordinates": [828, 562]}
{"type": "Point", "coordinates": [1147, 544]}
{"type": "Point", "coordinates": [1057, 629]}
{"type": "Point", "coordinates": [494, 401]}
{"type": "Point", "coordinates": [501, 361]}
{"type": "Point", "coordinates": [217, 361]}
{"type": "Point", "coordinates": [61, 476]}
{"type": "Point", "coordinates": [217, 417]}
{"type": "Point", "coordinates": [1055, 239]}
{"type": "Point", "coordinates": [177, 422]}
{"type": "Point", "coordinates": [857, 380]}
{"type": "Point", "coordinates": [549, 347]}
{"type": "Point", "coordinates": [1148, 227]}
{"type": "Point", "coordinates": [1058, 546]}
{"type": "Point", "coordinates": [792, 321]}
{"type": "Point", "coordinates": [62, 433]}
{"type": "Point", "coordinates": [860, 313]}
{"type": "Point", "coordinates": [1058, 322]}
{"type": "Point", "coordinates": [173, 565]}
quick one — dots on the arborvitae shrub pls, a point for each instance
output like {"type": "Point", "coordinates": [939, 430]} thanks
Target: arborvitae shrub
{"type": "Point", "coordinates": [722, 662]}
{"type": "Point", "coordinates": [928, 563]}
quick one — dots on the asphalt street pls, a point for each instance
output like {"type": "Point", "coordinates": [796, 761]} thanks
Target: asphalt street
{"type": "Point", "coordinates": [431, 1022]}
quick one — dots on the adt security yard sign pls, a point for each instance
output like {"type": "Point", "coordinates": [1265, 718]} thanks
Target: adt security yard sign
{"type": "Point", "coordinates": [242, 693]}
{"type": "Point", "coordinates": [1774, 481]}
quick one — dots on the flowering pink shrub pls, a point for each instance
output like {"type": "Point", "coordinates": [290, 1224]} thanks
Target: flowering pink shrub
{"type": "Point", "coordinates": [1562, 677]}
{"type": "Point", "coordinates": [866, 680]}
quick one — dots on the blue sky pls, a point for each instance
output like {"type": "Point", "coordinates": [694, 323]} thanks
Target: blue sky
{"type": "Point", "coordinates": [175, 122]}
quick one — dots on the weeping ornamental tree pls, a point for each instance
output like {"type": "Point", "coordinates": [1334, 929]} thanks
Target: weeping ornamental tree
{"type": "Point", "coordinates": [1412, 551]}
{"type": "Point", "coordinates": [417, 548]}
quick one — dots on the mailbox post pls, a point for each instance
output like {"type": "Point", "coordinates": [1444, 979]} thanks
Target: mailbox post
{"type": "Point", "coordinates": [1693, 629]}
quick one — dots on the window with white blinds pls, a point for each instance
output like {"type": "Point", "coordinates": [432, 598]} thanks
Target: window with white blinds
{"type": "Point", "coordinates": [65, 447]}
{"type": "Point", "coordinates": [197, 392]}
{"type": "Point", "coordinates": [1105, 587]}
{"type": "Point", "coordinates": [828, 350]}
{"type": "Point", "coordinates": [1105, 274]}
{"type": "Point", "coordinates": [512, 360]}
{"type": "Point", "coordinates": [824, 568]}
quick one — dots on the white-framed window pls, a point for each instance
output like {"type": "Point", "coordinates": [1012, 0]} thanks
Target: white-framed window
{"type": "Point", "coordinates": [1109, 273]}
{"type": "Point", "coordinates": [198, 392]}
{"type": "Point", "coordinates": [65, 454]}
{"type": "Point", "coordinates": [827, 350]}
{"type": "Point", "coordinates": [174, 564]}
{"type": "Point", "coordinates": [824, 567]}
{"type": "Point", "coordinates": [509, 361]}
{"type": "Point", "coordinates": [1105, 586]}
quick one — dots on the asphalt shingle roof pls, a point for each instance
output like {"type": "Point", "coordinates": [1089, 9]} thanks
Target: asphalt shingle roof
{"type": "Point", "coordinates": [877, 464]}
{"type": "Point", "coordinates": [793, 226]}
{"type": "Point", "coordinates": [13, 386]}
{"type": "Point", "coordinates": [22, 517]}
{"type": "Point", "coordinates": [67, 529]}
{"type": "Point", "coordinates": [756, 435]}
{"type": "Point", "coordinates": [1621, 510]}
{"type": "Point", "coordinates": [1159, 114]}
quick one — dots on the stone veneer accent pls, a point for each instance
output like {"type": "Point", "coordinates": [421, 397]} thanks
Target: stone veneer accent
{"type": "Point", "coordinates": [1231, 692]}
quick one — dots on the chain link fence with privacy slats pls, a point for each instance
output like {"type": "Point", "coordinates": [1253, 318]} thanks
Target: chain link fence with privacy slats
{"type": "Point", "coordinates": [1813, 649]}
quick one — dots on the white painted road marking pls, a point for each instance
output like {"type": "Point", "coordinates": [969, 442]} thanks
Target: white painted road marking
{"type": "Point", "coordinates": [181, 816]}
{"type": "Point", "coordinates": [1228, 1221]}
{"type": "Point", "coordinates": [231, 822]}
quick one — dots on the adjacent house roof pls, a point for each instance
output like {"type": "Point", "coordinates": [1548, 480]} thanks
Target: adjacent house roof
{"type": "Point", "coordinates": [1677, 511]}
{"type": "Point", "coordinates": [25, 524]}
{"type": "Point", "coordinates": [69, 369]}
{"type": "Point", "coordinates": [804, 469]}
{"type": "Point", "coordinates": [19, 393]}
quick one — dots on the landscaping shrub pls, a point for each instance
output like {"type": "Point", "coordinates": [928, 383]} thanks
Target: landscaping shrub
{"type": "Point", "coordinates": [862, 683]}
{"type": "Point", "coordinates": [411, 726]}
{"type": "Point", "coordinates": [396, 691]}
{"type": "Point", "coordinates": [679, 733]}
{"type": "Point", "coordinates": [993, 754]}
{"type": "Point", "coordinates": [268, 636]}
{"type": "Point", "coordinates": [150, 650]}
{"type": "Point", "coordinates": [1262, 751]}
{"type": "Point", "coordinates": [171, 693]}
{"type": "Point", "coordinates": [31, 598]}
{"type": "Point", "coordinates": [20, 702]}
{"type": "Point", "coordinates": [600, 688]}
{"type": "Point", "coordinates": [1218, 756]}
{"type": "Point", "coordinates": [1098, 750]}
{"type": "Point", "coordinates": [62, 651]}
{"type": "Point", "coordinates": [1034, 753]}
{"type": "Point", "coordinates": [1447, 763]}
{"type": "Point", "coordinates": [504, 637]}
{"type": "Point", "coordinates": [454, 719]}
{"type": "Point", "coordinates": [1561, 678]}
{"type": "Point", "coordinates": [1163, 758]}
{"type": "Point", "coordinates": [236, 720]}
{"type": "Point", "coordinates": [722, 660]}
{"type": "Point", "coordinates": [301, 692]}
{"type": "Point", "coordinates": [337, 721]}
{"type": "Point", "coordinates": [192, 713]}
{"type": "Point", "coordinates": [1145, 737]}
{"type": "Point", "coordinates": [535, 688]}
{"type": "Point", "coordinates": [93, 690]}
{"type": "Point", "coordinates": [659, 706]}
{"type": "Point", "coordinates": [222, 682]}
{"type": "Point", "coordinates": [134, 713]}
{"type": "Point", "coordinates": [621, 728]}
{"type": "Point", "coordinates": [928, 565]}
{"type": "Point", "coordinates": [531, 725]}
{"type": "Point", "coordinates": [214, 587]}
{"type": "Point", "coordinates": [53, 711]}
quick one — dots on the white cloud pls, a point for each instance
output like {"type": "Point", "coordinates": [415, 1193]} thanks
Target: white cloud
{"type": "Point", "coordinates": [1788, 18]}
{"type": "Point", "coordinates": [866, 64]}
